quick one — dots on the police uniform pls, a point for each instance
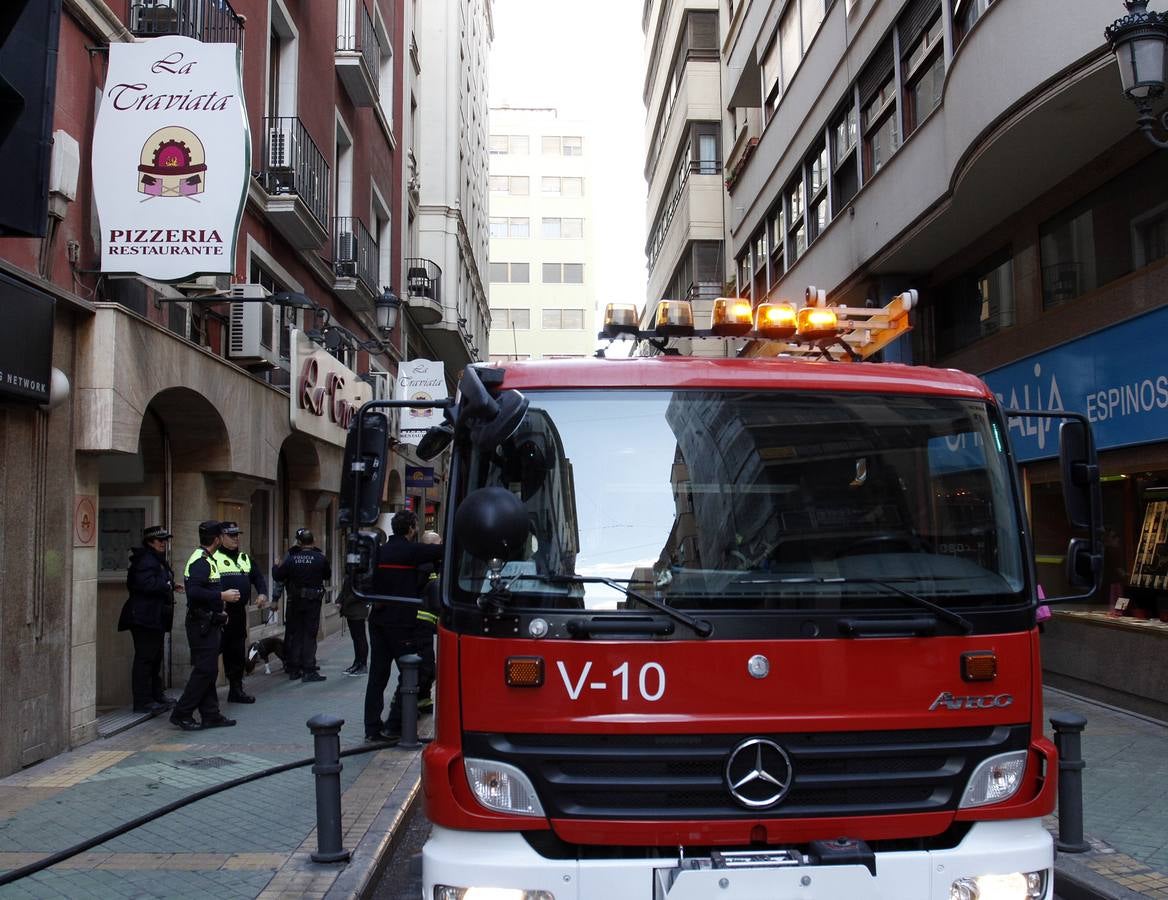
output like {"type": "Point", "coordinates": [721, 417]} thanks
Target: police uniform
{"type": "Point", "coordinates": [205, 618]}
{"type": "Point", "coordinates": [303, 573]}
{"type": "Point", "coordinates": [236, 571]}
{"type": "Point", "coordinates": [425, 630]}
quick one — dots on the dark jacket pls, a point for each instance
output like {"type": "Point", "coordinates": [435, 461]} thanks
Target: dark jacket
{"type": "Point", "coordinates": [352, 606]}
{"type": "Point", "coordinates": [150, 581]}
{"type": "Point", "coordinates": [204, 591]}
{"type": "Point", "coordinates": [397, 573]}
{"type": "Point", "coordinates": [303, 573]}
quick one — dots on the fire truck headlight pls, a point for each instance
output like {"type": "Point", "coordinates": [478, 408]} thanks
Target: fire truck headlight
{"type": "Point", "coordinates": [1015, 886]}
{"type": "Point", "coordinates": [445, 892]}
{"type": "Point", "coordinates": [996, 779]}
{"type": "Point", "coordinates": [502, 788]}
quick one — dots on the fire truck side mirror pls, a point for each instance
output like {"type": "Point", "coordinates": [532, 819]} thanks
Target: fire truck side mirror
{"type": "Point", "coordinates": [368, 467]}
{"type": "Point", "coordinates": [490, 420]}
{"type": "Point", "coordinates": [1080, 473]}
{"type": "Point", "coordinates": [1084, 565]}
{"type": "Point", "coordinates": [436, 439]}
{"type": "Point", "coordinates": [492, 523]}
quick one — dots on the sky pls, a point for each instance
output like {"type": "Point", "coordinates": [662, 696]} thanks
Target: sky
{"type": "Point", "coordinates": [585, 57]}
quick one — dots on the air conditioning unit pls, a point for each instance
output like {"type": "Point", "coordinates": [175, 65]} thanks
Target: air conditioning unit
{"type": "Point", "coordinates": [254, 334]}
{"type": "Point", "coordinates": [345, 264]}
{"type": "Point", "coordinates": [278, 157]}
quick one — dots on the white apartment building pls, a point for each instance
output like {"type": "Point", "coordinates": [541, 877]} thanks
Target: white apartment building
{"type": "Point", "coordinates": [445, 276]}
{"type": "Point", "coordinates": [683, 154]}
{"type": "Point", "coordinates": [542, 271]}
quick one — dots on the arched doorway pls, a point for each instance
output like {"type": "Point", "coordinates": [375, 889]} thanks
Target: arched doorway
{"type": "Point", "coordinates": [182, 440]}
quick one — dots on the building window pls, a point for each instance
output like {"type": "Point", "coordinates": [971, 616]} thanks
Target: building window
{"type": "Point", "coordinates": [573, 146]}
{"type": "Point", "coordinates": [510, 273]}
{"type": "Point", "coordinates": [516, 185]}
{"type": "Point", "coordinates": [797, 226]}
{"type": "Point", "coordinates": [512, 144]}
{"type": "Point", "coordinates": [797, 28]}
{"type": "Point", "coordinates": [507, 319]}
{"type": "Point", "coordinates": [571, 187]}
{"type": "Point", "coordinates": [975, 304]}
{"type": "Point", "coordinates": [563, 273]}
{"type": "Point", "coordinates": [777, 239]}
{"type": "Point", "coordinates": [551, 145]}
{"type": "Point", "coordinates": [513, 227]}
{"type": "Point", "coordinates": [563, 319]}
{"type": "Point", "coordinates": [759, 287]}
{"type": "Point", "coordinates": [567, 229]}
{"type": "Point", "coordinates": [845, 174]}
{"type": "Point", "coordinates": [744, 274]}
{"type": "Point", "coordinates": [924, 75]}
{"type": "Point", "coordinates": [817, 206]}
{"type": "Point", "coordinates": [965, 16]}
{"type": "Point", "coordinates": [881, 137]}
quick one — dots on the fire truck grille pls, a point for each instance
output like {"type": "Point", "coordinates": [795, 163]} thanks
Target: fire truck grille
{"type": "Point", "coordinates": [684, 776]}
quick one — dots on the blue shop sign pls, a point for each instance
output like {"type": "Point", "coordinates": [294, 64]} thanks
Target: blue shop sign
{"type": "Point", "coordinates": [1118, 377]}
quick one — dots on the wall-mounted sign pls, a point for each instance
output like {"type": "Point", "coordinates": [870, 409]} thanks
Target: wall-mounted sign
{"type": "Point", "coordinates": [26, 341]}
{"type": "Point", "coordinates": [325, 394]}
{"type": "Point", "coordinates": [85, 521]}
{"type": "Point", "coordinates": [1117, 377]}
{"type": "Point", "coordinates": [419, 379]}
{"type": "Point", "coordinates": [171, 158]}
{"type": "Point", "coordinates": [419, 477]}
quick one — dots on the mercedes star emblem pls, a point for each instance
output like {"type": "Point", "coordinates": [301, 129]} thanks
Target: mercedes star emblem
{"type": "Point", "coordinates": [758, 773]}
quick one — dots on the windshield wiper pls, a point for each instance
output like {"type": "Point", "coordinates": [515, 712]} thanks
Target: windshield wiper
{"type": "Point", "coordinates": [940, 611]}
{"type": "Point", "coordinates": [701, 627]}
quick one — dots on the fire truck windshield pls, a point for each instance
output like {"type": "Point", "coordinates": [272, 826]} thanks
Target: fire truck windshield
{"type": "Point", "coordinates": [713, 500]}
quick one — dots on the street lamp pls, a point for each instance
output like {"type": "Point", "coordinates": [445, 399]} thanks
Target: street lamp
{"type": "Point", "coordinates": [1138, 41]}
{"type": "Point", "coordinates": [388, 306]}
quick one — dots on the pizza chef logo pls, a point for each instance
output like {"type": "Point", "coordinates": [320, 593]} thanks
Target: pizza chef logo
{"type": "Point", "coordinates": [173, 164]}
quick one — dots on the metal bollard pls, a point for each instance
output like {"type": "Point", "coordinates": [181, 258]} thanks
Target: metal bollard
{"type": "Point", "coordinates": [1068, 728]}
{"type": "Point", "coordinates": [408, 667]}
{"type": "Point", "coordinates": [326, 735]}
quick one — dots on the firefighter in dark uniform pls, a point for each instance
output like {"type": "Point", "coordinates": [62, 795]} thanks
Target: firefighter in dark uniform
{"type": "Point", "coordinates": [303, 573]}
{"type": "Point", "coordinates": [426, 628]}
{"type": "Point", "coordinates": [392, 626]}
{"type": "Point", "coordinates": [236, 571]}
{"type": "Point", "coordinates": [206, 600]}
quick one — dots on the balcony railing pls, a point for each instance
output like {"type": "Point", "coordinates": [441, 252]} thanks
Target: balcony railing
{"type": "Point", "coordinates": [657, 238]}
{"type": "Point", "coordinates": [210, 21]}
{"type": "Point", "coordinates": [356, 34]}
{"type": "Point", "coordinates": [292, 164]}
{"type": "Point", "coordinates": [424, 279]}
{"type": "Point", "coordinates": [354, 251]}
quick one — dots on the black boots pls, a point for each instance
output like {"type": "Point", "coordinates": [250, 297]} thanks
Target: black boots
{"type": "Point", "coordinates": [236, 694]}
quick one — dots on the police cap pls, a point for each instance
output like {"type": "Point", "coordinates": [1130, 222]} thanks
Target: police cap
{"type": "Point", "coordinates": [209, 530]}
{"type": "Point", "coordinates": [229, 528]}
{"type": "Point", "coordinates": [156, 533]}
{"type": "Point", "coordinates": [304, 536]}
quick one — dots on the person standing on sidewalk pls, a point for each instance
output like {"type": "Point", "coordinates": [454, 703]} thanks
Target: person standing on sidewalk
{"type": "Point", "coordinates": [356, 611]}
{"type": "Point", "coordinates": [236, 571]}
{"type": "Point", "coordinates": [148, 615]}
{"type": "Point", "coordinates": [206, 599]}
{"type": "Point", "coordinates": [303, 572]}
{"type": "Point", "coordinates": [392, 625]}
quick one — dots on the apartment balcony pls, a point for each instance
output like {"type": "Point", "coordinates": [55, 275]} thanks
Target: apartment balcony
{"type": "Point", "coordinates": [693, 213]}
{"type": "Point", "coordinates": [424, 291]}
{"type": "Point", "coordinates": [295, 176]}
{"type": "Point", "coordinates": [358, 54]}
{"type": "Point", "coordinates": [210, 21]}
{"type": "Point", "coordinates": [355, 263]}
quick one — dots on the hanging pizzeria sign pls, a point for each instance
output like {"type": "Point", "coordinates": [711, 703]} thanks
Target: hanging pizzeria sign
{"type": "Point", "coordinates": [171, 158]}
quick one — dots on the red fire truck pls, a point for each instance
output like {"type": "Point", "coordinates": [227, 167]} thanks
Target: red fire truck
{"type": "Point", "coordinates": [740, 628]}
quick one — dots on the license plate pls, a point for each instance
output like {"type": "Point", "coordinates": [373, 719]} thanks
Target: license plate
{"type": "Point", "coordinates": [784, 882]}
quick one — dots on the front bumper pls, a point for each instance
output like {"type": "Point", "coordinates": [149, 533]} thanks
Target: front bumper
{"type": "Point", "coordinates": [506, 860]}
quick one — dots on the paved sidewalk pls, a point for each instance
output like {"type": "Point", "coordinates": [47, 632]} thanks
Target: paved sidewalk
{"type": "Point", "coordinates": [250, 841]}
{"type": "Point", "coordinates": [1125, 802]}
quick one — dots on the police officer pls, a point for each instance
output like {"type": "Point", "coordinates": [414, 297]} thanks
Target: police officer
{"type": "Point", "coordinates": [303, 573]}
{"type": "Point", "coordinates": [236, 571]}
{"type": "Point", "coordinates": [147, 615]}
{"type": "Point", "coordinates": [206, 599]}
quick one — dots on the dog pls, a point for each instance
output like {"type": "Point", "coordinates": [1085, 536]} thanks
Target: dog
{"type": "Point", "coordinates": [265, 650]}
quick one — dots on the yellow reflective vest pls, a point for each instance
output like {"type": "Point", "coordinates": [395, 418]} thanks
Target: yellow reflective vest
{"type": "Point", "coordinates": [200, 553]}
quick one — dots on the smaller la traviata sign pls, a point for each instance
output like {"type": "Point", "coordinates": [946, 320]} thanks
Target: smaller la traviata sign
{"type": "Point", "coordinates": [171, 158]}
{"type": "Point", "coordinates": [422, 380]}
